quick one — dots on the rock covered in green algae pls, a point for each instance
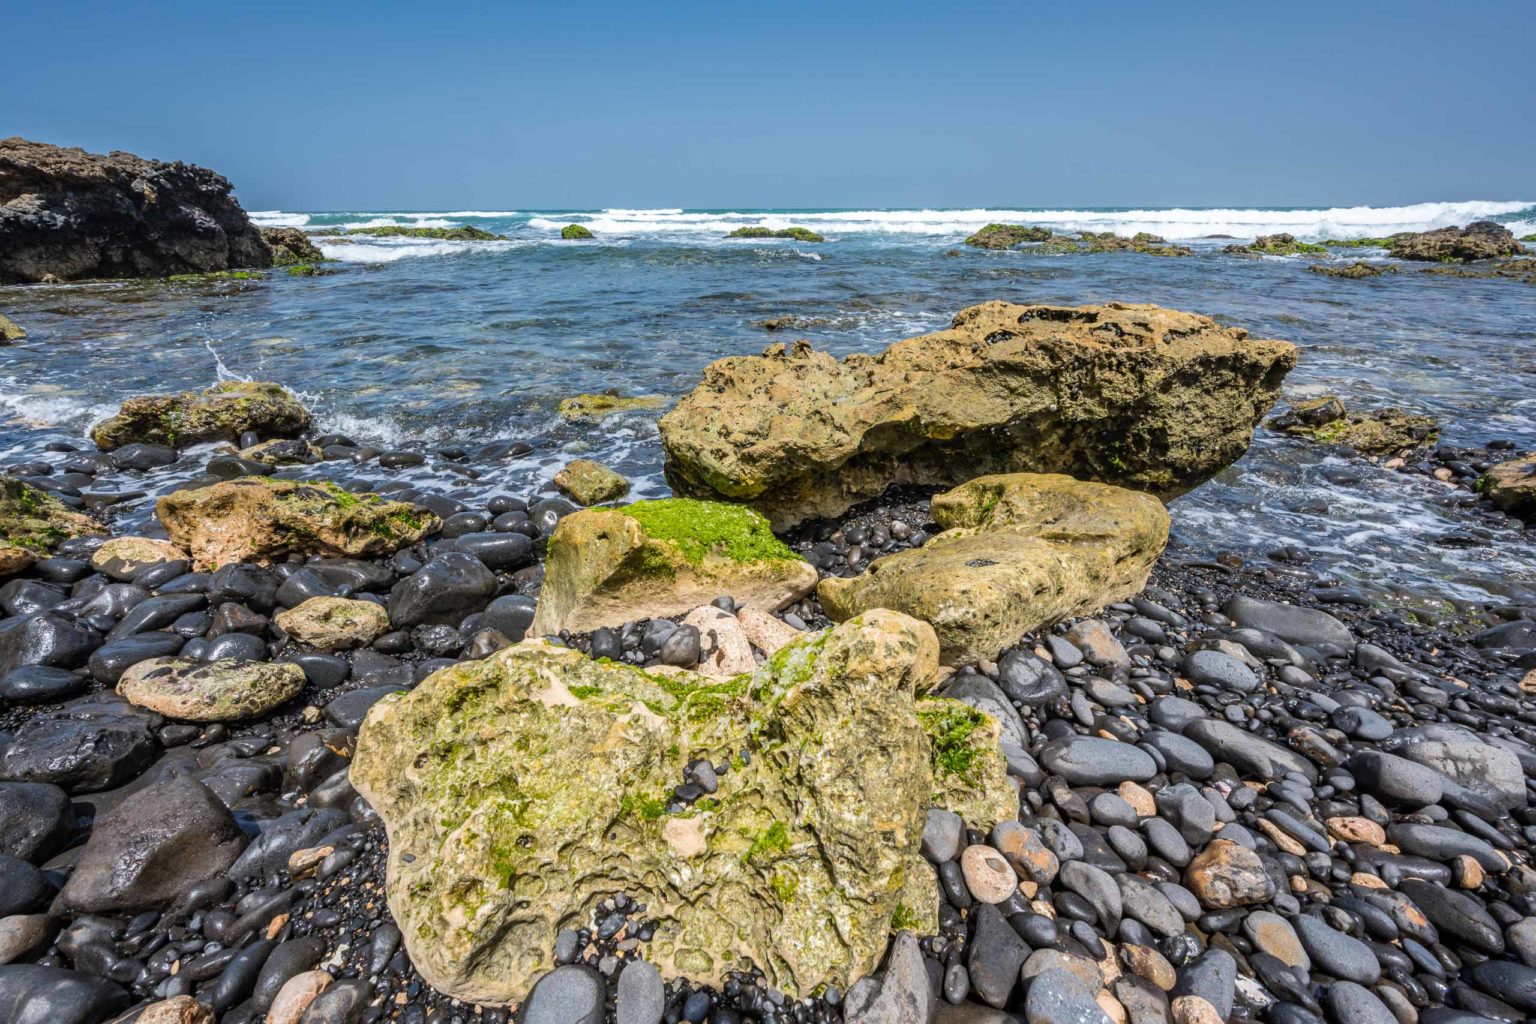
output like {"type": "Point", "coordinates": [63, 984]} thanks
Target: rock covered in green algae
{"type": "Point", "coordinates": [651, 559]}
{"type": "Point", "coordinates": [1357, 269]}
{"type": "Point", "coordinates": [35, 520]}
{"type": "Point", "coordinates": [463, 233]}
{"type": "Point", "coordinates": [262, 518]}
{"type": "Point", "coordinates": [1006, 236]}
{"type": "Point", "coordinates": [798, 234]}
{"type": "Point", "coordinates": [590, 483]}
{"type": "Point", "coordinates": [521, 790]}
{"type": "Point", "coordinates": [1135, 395]}
{"type": "Point", "coordinates": [1018, 552]}
{"type": "Point", "coordinates": [579, 408]}
{"type": "Point", "coordinates": [210, 691]}
{"type": "Point", "coordinates": [1511, 485]}
{"type": "Point", "coordinates": [1281, 244]}
{"type": "Point", "coordinates": [291, 247]}
{"type": "Point", "coordinates": [1385, 431]}
{"type": "Point", "coordinates": [575, 232]}
{"type": "Point", "coordinates": [1480, 240]}
{"type": "Point", "coordinates": [220, 413]}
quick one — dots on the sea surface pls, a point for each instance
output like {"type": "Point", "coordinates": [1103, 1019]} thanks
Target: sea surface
{"type": "Point", "coordinates": [424, 344]}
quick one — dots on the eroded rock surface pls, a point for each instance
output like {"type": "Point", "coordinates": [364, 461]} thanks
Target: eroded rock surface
{"type": "Point", "coordinates": [220, 413]}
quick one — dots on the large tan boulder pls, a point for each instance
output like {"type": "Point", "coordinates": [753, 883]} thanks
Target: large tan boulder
{"type": "Point", "coordinates": [651, 559]}
{"type": "Point", "coordinates": [590, 483]}
{"type": "Point", "coordinates": [1511, 485]}
{"type": "Point", "coordinates": [34, 520]}
{"type": "Point", "coordinates": [522, 790]}
{"type": "Point", "coordinates": [1018, 552]}
{"type": "Point", "coordinates": [1480, 240]}
{"type": "Point", "coordinates": [260, 518]}
{"type": "Point", "coordinates": [1136, 395]}
{"type": "Point", "coordinates": [334, 623]}
{"type": "Point", "coordinates": [220, 413]}
{"type": "Point", "coordinates": [210, 691]}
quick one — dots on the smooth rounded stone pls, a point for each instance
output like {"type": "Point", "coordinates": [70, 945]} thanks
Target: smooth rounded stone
{"type": "Point", "coordinates": [296, 994]}
{"type": "Point", "coordinates": [987, 874]}
{"type": "Point", "coordinates": [1189, 811]}
{"type": "Point", "coordinates": [683, 647]}
{"type": "Point", "coordinates": [349, 709]}
{"type": "Point", "coordinates": [1025, 851]}
{"type": "Point", "coordinates": [302, 586]}
{"type": "Point", "coordinates": [36, 819]}
{"type": "Point", "coordinates": [1444, 844]}
{"type": "Point", "coordinates": [289, 960]}
{"type": "Point", "coordinates": [1144, 902]}
{"type": "Point", "coordinates": [1349, 1003]}
{"type": "Point", "coordinates": [981, 693]}
{"type": "Point", "coordinates": [344, 1002]}
{"type": "Point", "coordinates": [1521, 936]}
{"type": "Point", "coordinates": [176, 1010]}
{"type": "Point", "coordinates": [1094, 761]}
{"type": "Point", "coordinates": [36, 994]}
{"type": "Point", "coordinates": [331, 624]}
{"type": "Point", "coordinates": [282, 836]}
{"type": "Point", "coordinates": [1143, 1001]}
{"type": "Point", "coordinates": [1165, 841]}
{"type": "Point", "coordinates": [1396, 780]}
{"type": "Point", "coordinates": [442, 592]}
{"type": "Point", "coordinates": [218, 691]}
{"type": "Point", "coordinates": [109, 661]}
{"type": "Point", "coordinates": [39, 684]}
{"type": "Point", "coordinates": [1098, 887]}
{"type": "Point", "coordinates": [1226, 875]}
{"type": "Point", "coordinates": [573, 994]}
{"type": "Point", "coordinates": [1490, 771]}
{"type": "Point", "coordinates": [1174, 713]}
{"type": "Point", "coordinates": [1211, 977]}
{"type": "Point", "coordinates": [1510, 982]}
{"type": "Point", "coordinates": [497, 550]}
{"type": "Point", "coordinates": [943, 833]}
{"type": "Point", "coordinates": [1058, 996]}
{"type": "Point", "coordinates": [237, 647]}
{"type": "Point", "coordinates": [1334, 953]}
{"type": "Point", "coordinates": [45, 639]}
{"type": "Point", "coordinates": [1273, 934]}
{"type": "Point", "coordinates": [1288, 622]}
{"type": "Point", "coordinates": [156, 613]}
{"type": "Point", "coordinates": [1029, 679]}
{"type": "Point", "coordinates": [1250, 754]}
{"type": "Point", "coordinates": [1179, 753]}
{"type": "Point", "coordinates": [23, 889]}
{"type": "Point", "coordinates": [1457, 916]}
{"type": "Point", "coordinates": [1362, 724]}
{"type": "Point", "coordinates": [994, 956]}
{"type": "Point", "coordinates": [510, 616]}
{"type": "Point", "coordinates": [1213, 668]}
{"type": "Point", "coordinates": [245, 584]}
{"type": "Point", "coordinates": [84, 746]}
{"type": "Point", "coordinates": [23, 934]}
{"type": "Point", "coordinates": [1112, 809]}
{"type": "Point", "coordinates": [642, 995]}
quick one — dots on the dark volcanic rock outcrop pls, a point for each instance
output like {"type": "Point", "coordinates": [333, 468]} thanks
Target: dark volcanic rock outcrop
{"type": "Point", "coordinates": [67, 214]}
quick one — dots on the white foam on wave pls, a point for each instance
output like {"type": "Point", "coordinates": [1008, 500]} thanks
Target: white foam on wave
{"type": "Point", "coordinates": [363, 249]}
{"type": "Point", "coordinates": [44, 405]}
{"type": "Point", "coordinates": [278, 219]}
{"type": "Point", "coordinates": [1177, 223]}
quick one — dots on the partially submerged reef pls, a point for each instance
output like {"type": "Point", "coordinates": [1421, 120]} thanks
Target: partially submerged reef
{"type": "Point", "coordinates": [1043, 240]}
{"type": "Point", "coordinates": [462, 233]}
{"type": "Point", "coordinates": [905, 709]}
{"type": "Point", "coordinates": [798, 234]}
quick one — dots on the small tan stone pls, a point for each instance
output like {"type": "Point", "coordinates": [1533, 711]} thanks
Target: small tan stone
{"type": "Point", "coordinates": [1469, 873]}
{"type": "Point", "coordinates": [987, 874]}
{"type": "Point", "coordinates": [215, 691]}
{"type": "Point", "coordinates": [14, 559]}
{"type": "Point", "coordinates": [590, 483]}
{"type": "Point", "coordinates": [1028, 855]}
{"type": "Point", "coordinates": [1528, 681]}
{"type": "Point", "coordinates": [1195, 1010]}
{"type": "Point", "coordinates": [766, 632]}
{"type": "Point", "coordinates": [296, 995]}
{"type": "Point", "coordinates": [176, 1010]}
{"type": "Point", "coordinates": [1146, 962]}
{"type": "Point", "coordinates": [302, 862]}
{"type": "Point", "coordinates": [1140, 799]}
{"type": "Point", "coordinates": [22, 933]}
{"type": "Point", "coordinates": [334, 623]}
{"type": "Point", "coordinates": [1367, 880]}
{"type": "Point", "coordinates": [1280, 839]}
{"type": "Point", "coordinates": [727, 653]}
{"type": "Point", "coordinates": [1111, 1007]}
{"type": "Point", "coordinates": [1356, 830]}
{"type": "Point", "coordinates": [685, 836]}
{"type": "Point", "coordinates": [1225, 875]}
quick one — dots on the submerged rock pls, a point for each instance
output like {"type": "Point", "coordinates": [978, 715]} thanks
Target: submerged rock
{"type": "Point", "coordinates": [522, 790]}
{"type": "Point", "coordinates": [1386, 431]}
{"type": "Point", "coordinates": [596, 407]}
{"type": "Point", "coordinates": [655, 559]}
{"type": "Point", "coordinates": [1137, 395]}
{"type": "Point", "coordinates": [590, 483]}
{"type": "Point", "coordinates": [220, 413]}
{"type": "Point", "coordinates": [259, 519]}
{"type": "Point", "coordinates": [1018, 552]}
{"type": "Point", "coordinates": [1281, 244]}
{"type": "Point", "coordinates": [1480, 240]}
{"type": "Point", "coordinates": [798, 234]}
{"type": "Point", "coordinates": [32, 520]}
{"type": "Point", "coordinates": [68, 214]}
{"type": "Point", "coordinates": [212, 691]}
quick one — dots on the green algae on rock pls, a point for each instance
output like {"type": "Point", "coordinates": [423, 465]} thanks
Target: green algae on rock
{"type": "Point", "coordinates": [1281, 244]}
{"type": "Point", "coordinates": [652, 559]}
{"type": "Point", "coordinates": [1357, 269]}
{"type": "Point", "coordinates": [262, 518]}
{"type": "Point", "coordinates": [1019, 552]}
{"type": "Point", "coordinates": [1511, 486]}
{"type": "Point", "coordinates": [591, 408]}
{"type": "Point", "coordinates": [574, 232]}
{"type": "Point", "coordinates": [212, 691]}
{"type": "Point", "coordinates": [220, 413]}
{"type": "Point", "coordinates": [1386, 431]}
{"type": "Point", "coordinates": [291, 247]}
{"type": "Point", "coordinates": [521, 790]}
{"type": "Point", "coordinates": [798, 234]}
{"type": "Point", "coordinates": [463, 233]}
{"type": "Point", "coordinates": [10, 330]}
{"type": "Point", "coordinates": [1149, 398]}
{"type": "Point", "coordinates": [36, 521]}
{"type": "Point", "coordinates": [1006, 236]}
{"type": "Point", "coordinates": [590, 483]}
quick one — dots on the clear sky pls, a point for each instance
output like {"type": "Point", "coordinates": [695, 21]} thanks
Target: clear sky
{"type": "Point", "coordinates": [332, 104]}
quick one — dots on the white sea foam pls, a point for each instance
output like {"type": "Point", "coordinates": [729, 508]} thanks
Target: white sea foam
{"type": "Point", "coordinates": [278, 219]}
{"type": "Point", "coordinates": [362, 249]}
{"type": "Point", "coordinates": [43, 405]}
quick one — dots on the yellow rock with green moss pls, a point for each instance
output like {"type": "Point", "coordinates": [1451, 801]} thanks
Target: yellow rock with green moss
{"type": "Point", "coordinates": [1385, 431]}
{"type": "Point", "coordinates": [1019, 551]}
{"type": "Point", "coordinates": [210, 691]}
{"type": "Point", "coordinates": [521, 790]}
{"type": "Point", "coordinates": [261, 518]}
{"type": "Point", "coordinates": [590, 483]}
{"type": "Point", "coordinates": [575, 233]}
{"type": "Point", "coordinates": [1511, 486]}
{"type": "Point", "coordinates": [595, 407]}
{"type": "Point", "coordinates": [220, 413]}
{"type": "Point", "coordinates": [334, 623]}
{"type": "Point", "coordinates": [37, 521]}
{"type": "Point", "coordinates": [653, 559]}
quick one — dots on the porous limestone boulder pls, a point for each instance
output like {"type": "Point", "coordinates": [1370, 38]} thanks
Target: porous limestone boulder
{"type": "Point", "coordinates": [521, 790]}
{"type": "Point", "coordinates": [220, 413]}
{"type": "Point", "coordinates": [260, 518]}
{"type": "Point", "coordinates": [1511, 485]}
{"type": "Point", "coordinates": [1136, 395]}
{"type": "Point", "coordinates": [653, 559]}
{"type": "Point", "coordinates": [34, 520]}
{"type": "Point", "coordinates": [210, 691]}
{"type": "Point", "coordinates": [334, 623]}
{"type": "Point", "coordinates": [590, 483]}
{"type": "Point", "coordinates": [1019, 551]}
{"type": "Point", "coordinates": [1480, 240]}
{"type": "Point", "coordinates": [1386, 431]}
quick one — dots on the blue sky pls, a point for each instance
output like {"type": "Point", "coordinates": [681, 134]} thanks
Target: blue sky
{"type": "Point", "coordinates": [328, 105]}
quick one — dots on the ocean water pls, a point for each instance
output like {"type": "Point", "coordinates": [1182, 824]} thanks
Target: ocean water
{"type": "Point", "coordinates": [425, 343]}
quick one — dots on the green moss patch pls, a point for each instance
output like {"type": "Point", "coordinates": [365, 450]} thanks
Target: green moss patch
{"type": "Point", "coordinates": [798, 234]}
{"type": "Point", "coordinates": [700, 528]}
{"type": "Point", "coordinates": [574, 232]}
{"type": "Point", "coordinates": [464, 233]}
{"type": "Point", "coordinates": [949, 725]}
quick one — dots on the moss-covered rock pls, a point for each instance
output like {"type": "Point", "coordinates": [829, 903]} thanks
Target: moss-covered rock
{"type": "Point", "coordinates": [1149, 398]}
{"type": "Point", "coordinates": [334, 623]}
{"type": "Point", "coordinates": [1356, 270]}
{"type": "Point", "coordinates": [1386, 431]}
{"type": "Point", "coordinates": [590, 483]}
{"type": "Point", "coordinates": [212, 691]}
{"type": "Point", "coordinates": [654, 559]}
{"type": "Point", "coordinates": [1281, 244]}
{"type": "Point", "coordinates": [10, 330]}
{"type": "Point", "coordinates": [1355, 243]}
{"type": "Point", "coordinates": [1006, 236]}
{"type": "Point", "coordinates": [37, 521]}
{"type": "Point", "coordinates": [798, 234]}
{"type": "Point", "coordinates": [522, 790]}
{"type": "Point", "coordinates": [590, 408]}
{"type": "Point", "coordinates": [220, 413]}
{"type": "Point", "coordinates": [1018, 552]}
{"type": "Point", "coordinates": [1511, 486]}
{"type": "Point", "coordinates": [290, 247]}
{"type": "Point", "coordinates": [464, 233]}
{"type": "Point", "coordinates": [1523, 270]}
{"type": "Point", "coordinates": [574, 232]}
{"type": "Point", "coordinates": [261, 518]}
{"type": "Point", "coordinates": [1480, 240]}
